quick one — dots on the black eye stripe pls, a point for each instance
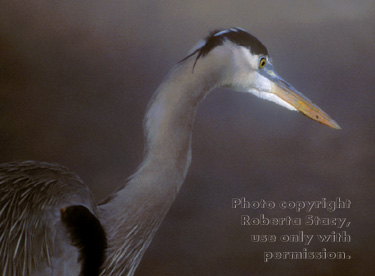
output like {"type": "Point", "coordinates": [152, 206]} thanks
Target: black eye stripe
{"type": "Point", "coordinates": [236, 36]}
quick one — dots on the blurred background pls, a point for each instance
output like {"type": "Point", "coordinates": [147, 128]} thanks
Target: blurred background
{"type": "Point", "coordinates": [76, 77]}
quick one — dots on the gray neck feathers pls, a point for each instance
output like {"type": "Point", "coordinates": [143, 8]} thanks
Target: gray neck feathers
{"type": "Point", "coordinates": [134, 214]}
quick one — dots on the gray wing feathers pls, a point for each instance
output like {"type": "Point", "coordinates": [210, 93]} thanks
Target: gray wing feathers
{"type": "Point", "coordinates": [31, 195]}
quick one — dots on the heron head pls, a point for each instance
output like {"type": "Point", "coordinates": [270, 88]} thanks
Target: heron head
{"type": "Point", "coordinates": [247, 67]}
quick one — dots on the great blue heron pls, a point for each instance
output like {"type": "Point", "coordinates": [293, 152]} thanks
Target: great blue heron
{"type": "Point", "coordinates": [49, 222]}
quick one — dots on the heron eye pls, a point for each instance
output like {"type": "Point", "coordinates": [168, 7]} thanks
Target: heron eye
{"type": "Point", "coordinates": [262, 62]}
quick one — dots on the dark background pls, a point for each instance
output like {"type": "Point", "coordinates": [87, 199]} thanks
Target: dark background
{"type": "Point", "coordinates": [76, 76]}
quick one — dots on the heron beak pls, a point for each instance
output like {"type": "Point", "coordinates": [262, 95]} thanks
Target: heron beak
{"type": "Point", "coordinates": [290, 95]}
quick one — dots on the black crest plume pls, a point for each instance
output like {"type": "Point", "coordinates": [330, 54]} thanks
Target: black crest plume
{"type": "Point", "coordinates": [235, 35]}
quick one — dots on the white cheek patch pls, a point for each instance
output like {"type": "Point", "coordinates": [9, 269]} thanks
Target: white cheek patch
{"type": "Point", "coordinates": [246, 59]}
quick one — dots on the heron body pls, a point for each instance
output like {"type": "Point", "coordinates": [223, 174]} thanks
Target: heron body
{"type": "Point", "coordinates": [42, 206]}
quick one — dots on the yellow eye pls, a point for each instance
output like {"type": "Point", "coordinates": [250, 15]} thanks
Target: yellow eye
{"type": "Point", "coordinates": [262, 62]}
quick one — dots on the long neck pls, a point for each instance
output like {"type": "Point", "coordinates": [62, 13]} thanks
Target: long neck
{"type": "Point", "coordinates": [135, 212]}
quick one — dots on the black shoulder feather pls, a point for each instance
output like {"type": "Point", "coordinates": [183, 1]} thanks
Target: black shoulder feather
{"type": "Point", "coordinates": [88, 235]}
